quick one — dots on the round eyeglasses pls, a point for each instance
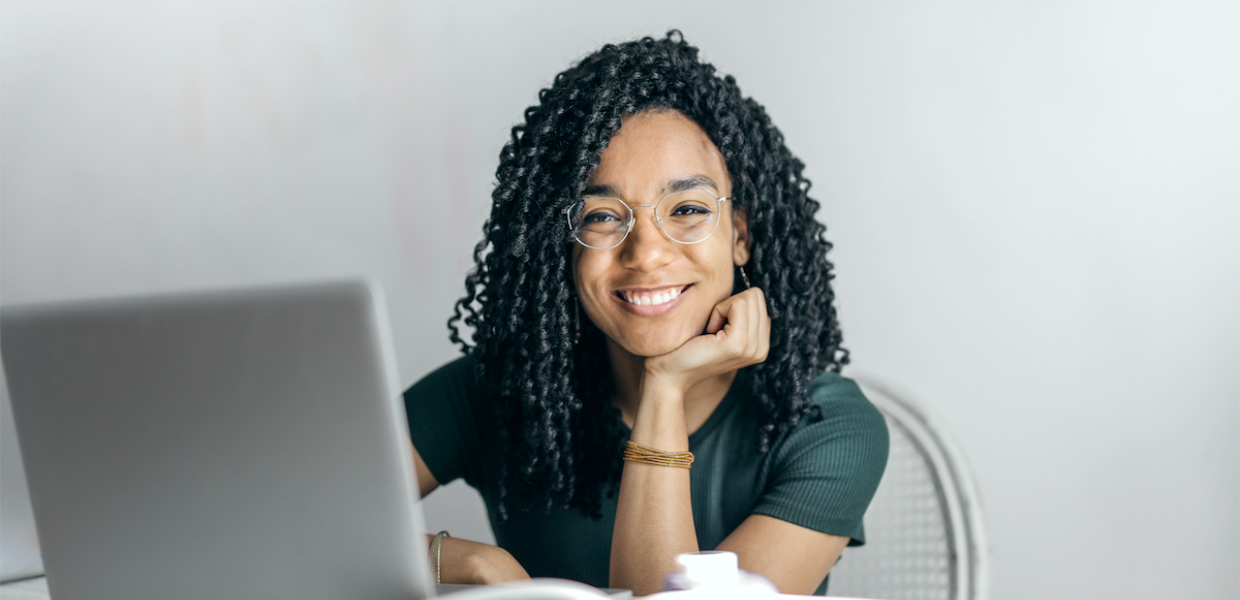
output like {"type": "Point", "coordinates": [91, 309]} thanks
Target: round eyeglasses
{"type": "Point", "coordinates": [687, 217]}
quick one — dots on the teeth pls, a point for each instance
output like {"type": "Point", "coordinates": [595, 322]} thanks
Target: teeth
{"type": "Point", "coordinates": [650, 299]}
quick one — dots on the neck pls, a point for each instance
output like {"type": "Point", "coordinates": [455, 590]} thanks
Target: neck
{"type": "Point", "coordinates": [628, 369]}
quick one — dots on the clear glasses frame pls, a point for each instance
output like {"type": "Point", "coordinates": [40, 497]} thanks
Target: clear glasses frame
{"type": "Point", "coordinates": [572, 229]}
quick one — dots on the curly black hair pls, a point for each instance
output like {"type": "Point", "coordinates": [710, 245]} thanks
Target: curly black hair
{"type": "Point", "coordinates": [559, 434]}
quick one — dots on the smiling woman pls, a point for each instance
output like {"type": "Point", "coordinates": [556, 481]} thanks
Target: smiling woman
{"type": "Point", "coordinates": [655, 356]}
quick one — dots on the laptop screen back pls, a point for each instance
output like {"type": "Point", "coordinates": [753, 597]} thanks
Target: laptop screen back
{"type": "Point", "coordinates": [238, 444]}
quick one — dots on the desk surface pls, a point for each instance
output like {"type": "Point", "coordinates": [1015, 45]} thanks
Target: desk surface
{"type": "Point", "coordinates": [36, 589]}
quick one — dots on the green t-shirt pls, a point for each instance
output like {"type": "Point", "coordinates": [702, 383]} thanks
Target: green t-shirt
{"type": "Point", "coordinates": [819, 475]}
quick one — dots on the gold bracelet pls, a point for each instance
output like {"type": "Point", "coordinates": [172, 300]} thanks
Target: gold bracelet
{"type": "Point", "coordinates": [435, 544]}
{"type": "Point", "coordinates": [650, 456]}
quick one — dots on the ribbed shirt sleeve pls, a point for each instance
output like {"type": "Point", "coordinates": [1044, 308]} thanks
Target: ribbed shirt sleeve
{"type": "Point", "coordinates": [442, 424]}
{"type": "Point", "coordinates": [824, 474]}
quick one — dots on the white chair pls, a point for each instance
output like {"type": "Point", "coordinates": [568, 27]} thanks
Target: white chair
{"type": "Point", "coordinates": [925, 539]}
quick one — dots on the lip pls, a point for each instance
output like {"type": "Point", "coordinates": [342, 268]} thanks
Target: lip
{"type": "Point", "coordinates": [652, 310]}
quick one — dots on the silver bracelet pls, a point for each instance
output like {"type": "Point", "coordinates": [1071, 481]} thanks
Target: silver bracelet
{"type": "Point", "coordinates": [435, 543]}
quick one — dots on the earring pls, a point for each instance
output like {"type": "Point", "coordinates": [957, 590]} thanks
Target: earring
{"type": "Point", "coordinates": [576, 321]}
{"type": "Point", "coordinates": [744, 277]}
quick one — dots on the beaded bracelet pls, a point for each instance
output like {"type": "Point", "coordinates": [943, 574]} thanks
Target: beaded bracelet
{"type": "Point", "coordinates": [650, 456]}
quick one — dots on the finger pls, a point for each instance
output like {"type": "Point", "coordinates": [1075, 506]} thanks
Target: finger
{"type": "Point", "coordinates": [764, 336]}
{"type": "Point", "coordinates": [760, 336]}
{"type": "Point", "coordinates": [716, 321]}
{"type": "Point", "coordinates": [759, 329]}
{"type": "Point", "coordinates": [721, 315]}
{"type": "Point", "coordinates": [745, 306]}
{"type": "Point", "coordinates": [752, 325]}
{"type": "Point", "coordinates": [739, 325]}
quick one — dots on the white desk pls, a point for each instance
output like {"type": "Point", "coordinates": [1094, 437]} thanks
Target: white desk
{"type": "Point", "coordinates": [36, 589]}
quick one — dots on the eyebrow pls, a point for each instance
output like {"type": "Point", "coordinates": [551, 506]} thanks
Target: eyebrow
{"type": "Point", "coordinates": [676, 185]}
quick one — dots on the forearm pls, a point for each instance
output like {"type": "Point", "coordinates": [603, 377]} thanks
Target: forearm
{"type": "Point", "coordinates": [463, 561]}
{"type": "Point", "coordinates": [654, 516]}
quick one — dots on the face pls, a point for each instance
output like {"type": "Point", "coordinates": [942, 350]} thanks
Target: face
{"type": "Point", "coordinates": [625, 291]}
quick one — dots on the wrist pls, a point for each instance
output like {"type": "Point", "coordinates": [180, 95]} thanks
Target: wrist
{"type": "Point", "coordinates": [660, 419]}
{"type": "Point", "coordinates": [464, 561]}
{"type": "Point", "coordinates": [661, 387]}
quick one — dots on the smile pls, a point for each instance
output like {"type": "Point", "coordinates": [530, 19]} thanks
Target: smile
{"type": "Point", "coordinates": [650, 303]}
{"type": "Point", "coordinates": [650, 298]}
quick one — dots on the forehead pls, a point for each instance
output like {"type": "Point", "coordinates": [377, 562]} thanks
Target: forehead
{"type": "Point", "coordinates": [653, 149]}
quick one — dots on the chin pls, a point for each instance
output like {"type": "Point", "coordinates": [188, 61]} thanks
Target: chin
{"type": "Point", "coordinates": [655, 346]}
{"type": "Point", "coordinates": [649, 350]}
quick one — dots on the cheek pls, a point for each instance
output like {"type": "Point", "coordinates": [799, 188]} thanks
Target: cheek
{"type": "Point", "coordinates": [718, 264]}
{"type": "Point", "coordinates": [581, 271]}
{"type": "Point", "coordinates": [587, 271]}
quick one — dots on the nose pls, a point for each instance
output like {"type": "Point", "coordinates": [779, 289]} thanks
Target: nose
{"type": "Point", "coordinates": [646, 248]}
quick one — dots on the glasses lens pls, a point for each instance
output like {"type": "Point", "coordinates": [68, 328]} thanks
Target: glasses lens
{"type": "Point", "coordinates": [689, 216]}
{"type": "Point", "coordinates": [599, 222]}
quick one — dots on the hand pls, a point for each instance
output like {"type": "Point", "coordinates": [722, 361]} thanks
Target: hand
{"type": "Point", "coordinates": [463, 561]}
{"type": "Point", "coordinates": [738, 334]}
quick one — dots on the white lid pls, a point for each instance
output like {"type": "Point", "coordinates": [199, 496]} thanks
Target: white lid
{"type": "Point", "coordinates": [713, 567]}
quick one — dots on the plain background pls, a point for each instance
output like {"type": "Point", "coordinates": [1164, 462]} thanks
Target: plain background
{"type": "Point", "coordinates": [1035, 207]}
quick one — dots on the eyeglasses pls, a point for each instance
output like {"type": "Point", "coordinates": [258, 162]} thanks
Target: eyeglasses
{"type": "Point", "coordinates": [686, 217]}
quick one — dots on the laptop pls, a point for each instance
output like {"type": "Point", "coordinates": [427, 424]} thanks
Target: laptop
{"type": "Point", "coordinates": [236, 444]}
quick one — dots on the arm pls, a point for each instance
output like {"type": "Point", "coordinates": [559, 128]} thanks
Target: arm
{"type": "Point", "coordinates": [795, 558]}
{"type": "Point", "coordinates": [426, 480]}
{"type": "Point", "coordinates": [441, 406]}
{"type": "Point", "coordinates": [654, 516]}
{"type": "Point", "coordinates": [463, 561]}
{"type": "Point", "coordinates": [824, 475]}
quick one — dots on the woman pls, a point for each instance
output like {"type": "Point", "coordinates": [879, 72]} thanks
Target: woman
{"type": "Point", "coordinates": [652, 283]}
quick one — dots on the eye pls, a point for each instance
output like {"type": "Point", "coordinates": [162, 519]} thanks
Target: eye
{"type": "Point", "coordinates": [601, 216]}
{"type": "Point", "coordinates": [690, 209]}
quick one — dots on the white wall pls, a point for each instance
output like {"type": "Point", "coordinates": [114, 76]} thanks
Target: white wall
{"type": "Point", "coordinates": [1035, 208]}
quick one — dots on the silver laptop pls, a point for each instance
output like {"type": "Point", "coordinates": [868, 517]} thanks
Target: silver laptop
{"type": "Point", "coordinates": [246, 444]}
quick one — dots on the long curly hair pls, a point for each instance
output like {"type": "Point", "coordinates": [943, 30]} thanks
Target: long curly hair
{"type": "Point", "coordinates": [560, 437]}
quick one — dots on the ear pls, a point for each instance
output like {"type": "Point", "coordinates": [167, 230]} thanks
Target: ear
{"type": "Point", "coordinates": [740, 237]}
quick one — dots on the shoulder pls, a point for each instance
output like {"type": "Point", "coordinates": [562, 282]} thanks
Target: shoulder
{"type": "Point", "coordinates": [456, 378]}
{"type": "Point", "coordinates": [444, 415]}
{"type": "Point", "coordinates": [825, 469]}
{"type": "Point", "coordinates": [449, 394]}
{"type": "Point", "coordinates": [840, 398]}
{"type": "Point", "coordinates": [849, 427]}
{"type": "Point", "coordinates": [833, 391]}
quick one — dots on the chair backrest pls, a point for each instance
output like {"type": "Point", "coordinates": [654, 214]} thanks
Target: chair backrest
{"type": "Point", "coordinates": [924, 533]}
